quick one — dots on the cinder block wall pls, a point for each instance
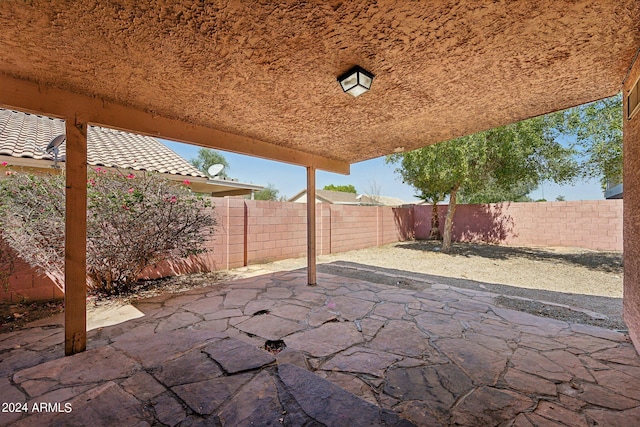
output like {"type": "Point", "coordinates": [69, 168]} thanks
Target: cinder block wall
{"type": "Point", "coordinates": [253, 231]}
{"type": "Point", "coordinates": [25, 284]}
{"type": "Point", "coordinates": [275, 231]}
{"type": "Point", "coordinates": [259, 231]}
{"type": "Point", "coordinates": [591, 224]}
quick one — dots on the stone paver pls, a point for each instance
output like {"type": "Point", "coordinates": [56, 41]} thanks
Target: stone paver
{"type": "Point", "coordinates": [326, 339]}
{"type": "Point", "coordinates": [482, 365]}
{"type": "Point", "coordinates": [343, 409]}
{"type": "Point", "coordinates": [269, 327]}
{"type": "Point", "coordinates": [403, 338]}
{"type": "Point", "coordinates": [103, 406]}
{"type": "Point", "coordinates": [351, 308]}
{"type": "Point", "coordinates": [155, 349]}
{"type": "Point", "coordinates": [560, 414]}
{"type": "Point", "coordinates": [95, 366]}
{"type": "Point", "coordinates": [382, 356]}
{"type": "Point", "coordinates": [236, 356]}
{"type": "Point", "coordinates": [362, 360]}
{"type": "Point", "coordinates": [537, 364]}
{"type": "Point", "coordinates": [10, 394]}
{"type": "Point", "coordinates": [168, 410]}
{"type": "Point", "coordinates": [191, 367]}
{"type": "Point", "coordinates": [204, 397]}
{"type": "Point", "coordinates": [254, 403]}
{"type": "Point", "coordinates": [489, 406]}
{"type": "Point", "coordinates": [529, 384]}
{"type": "Point", "coordinates": [438, 386]}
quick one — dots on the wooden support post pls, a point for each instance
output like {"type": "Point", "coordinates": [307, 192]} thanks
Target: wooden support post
{"type": "Point", "coordinates": [311, 226]}
{"type": "Point", "coordinates": [75, 254]}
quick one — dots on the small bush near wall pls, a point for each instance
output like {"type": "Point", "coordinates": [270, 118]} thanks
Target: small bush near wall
{"type": "Point", "coordinates": [132, 222]}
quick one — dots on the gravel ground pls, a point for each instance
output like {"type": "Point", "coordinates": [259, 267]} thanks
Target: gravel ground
{"type": "Point", "coordinates": [572, 284]}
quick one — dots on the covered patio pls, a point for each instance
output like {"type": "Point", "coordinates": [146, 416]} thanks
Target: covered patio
{"type": "Point", "coordinates": [259, 78]}
{"type": "Point", "coordinates": [358, 353]}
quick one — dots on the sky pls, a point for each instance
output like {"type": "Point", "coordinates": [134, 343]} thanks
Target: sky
{"type": "Point", "coordinates": [365, 176]}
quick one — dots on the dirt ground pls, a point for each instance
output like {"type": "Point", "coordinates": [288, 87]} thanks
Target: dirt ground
{"type": "Point", "coordinates": [16, 316]}
{"type": "Point", "coordinates": [570, 284]}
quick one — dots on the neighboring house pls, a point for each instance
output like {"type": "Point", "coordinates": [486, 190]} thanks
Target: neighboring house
{"type": "Point", "coordinates": [344, 198]}
{"type": "Point", "coordinates": [327, 196]}
{"type": "Point", "coordinates": [368, 199]}
{"type": "Point", "coordinates": [24, 137]}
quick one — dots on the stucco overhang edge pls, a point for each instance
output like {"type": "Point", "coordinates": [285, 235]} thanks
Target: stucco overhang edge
{"type": "Point", "coordinates": [38, 99]}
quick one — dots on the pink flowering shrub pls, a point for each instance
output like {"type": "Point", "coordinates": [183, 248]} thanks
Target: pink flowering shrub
{"type": "Point", "coordinates": [32, 220]}
{"type": "Point", "coordinates": [132, 222]}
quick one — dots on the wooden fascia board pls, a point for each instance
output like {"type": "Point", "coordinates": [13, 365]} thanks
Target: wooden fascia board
{"type": "Point", "coordinates": [42, 165]}
{"type": "Point", "coordinates": [231, 193]}
{"type": "Point", "coordinates": [39, 99]}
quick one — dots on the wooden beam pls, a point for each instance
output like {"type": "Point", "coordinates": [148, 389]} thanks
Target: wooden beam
{"type": "Point", "coordinates": [75, 254]}
{"type": "Point", "coordinates": [39, 99]}
{"type": "Point", "coordinates": [311, 226]}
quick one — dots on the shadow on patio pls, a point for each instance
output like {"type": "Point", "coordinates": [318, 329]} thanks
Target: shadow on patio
{"type": "Point", "coordinates": [358, 353]}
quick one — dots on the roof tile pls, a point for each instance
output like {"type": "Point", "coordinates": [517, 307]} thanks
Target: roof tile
{"type": "Point", "coordinates": [337, 196]}
{"type": "Point", "coordinates": [27, 135]}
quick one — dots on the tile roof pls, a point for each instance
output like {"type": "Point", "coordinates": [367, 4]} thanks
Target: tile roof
{"type": "Point", "coordinates": [344, 198]}
{"type": "Point", "coordinates": [381, 200]}
{"type": "Point", "coordinates": [27, 135]}
{"type": "Point", "coordinates": [338, 197]}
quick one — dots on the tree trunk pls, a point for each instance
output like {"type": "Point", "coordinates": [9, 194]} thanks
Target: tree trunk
{"type": "Point", "coordinates": [448, 222]}
{"type": "Point", "coordinates": [434, 234]}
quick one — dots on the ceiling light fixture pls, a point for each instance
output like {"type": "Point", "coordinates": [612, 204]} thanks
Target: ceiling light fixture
{"type": "Point", "coordinates": [356, 81]}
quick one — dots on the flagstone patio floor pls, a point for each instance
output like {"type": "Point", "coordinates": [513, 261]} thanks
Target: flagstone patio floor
{"type": "Point", "coordinates": [357, 354]}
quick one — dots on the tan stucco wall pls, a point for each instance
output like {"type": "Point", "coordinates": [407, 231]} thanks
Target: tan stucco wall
{"type": "Point", "coordinates": [631, 129]}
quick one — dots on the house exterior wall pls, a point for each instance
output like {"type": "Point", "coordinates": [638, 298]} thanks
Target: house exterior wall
{"type": "Point", "coordinates": [301, 199]}
{"type": "Point", "coordinates": [631, 144]}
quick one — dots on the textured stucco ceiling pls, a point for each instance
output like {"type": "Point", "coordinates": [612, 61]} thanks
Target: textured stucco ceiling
{"type": "Point", "coordinates": [267, 70]}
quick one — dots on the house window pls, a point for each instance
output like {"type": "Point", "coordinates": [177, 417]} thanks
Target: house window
{"type": "Point", "coordinates": [632, 102]}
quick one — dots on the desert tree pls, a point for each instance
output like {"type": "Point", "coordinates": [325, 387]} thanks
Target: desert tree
{"type": "Point", "coordinates": [500, 164]}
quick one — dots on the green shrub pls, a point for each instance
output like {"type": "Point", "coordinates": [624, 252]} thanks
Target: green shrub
{"type": "Point", "coordinates": [132, 222]}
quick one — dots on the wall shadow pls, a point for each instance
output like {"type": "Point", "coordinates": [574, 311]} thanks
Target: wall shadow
{"type": "Point", "coordinates": [605, 261]}
{"type": "Point", "coordinates": [405, 222]}
{"type": "Point", "coordinates": [486, 223]}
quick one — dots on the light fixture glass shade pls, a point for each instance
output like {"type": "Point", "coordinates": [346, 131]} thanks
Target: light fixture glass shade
{"type": "Point", "coordinates": [350, 82]}
{"type": "Point", "coordinates": [356, 81]}
{"type": "Point", "coordinates": [357, 90]}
